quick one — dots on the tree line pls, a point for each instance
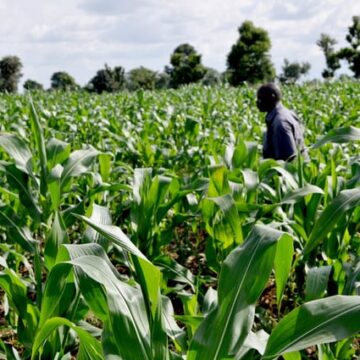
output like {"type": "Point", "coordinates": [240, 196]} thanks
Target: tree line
{"type": "Point", "coordinates": [247, 61]}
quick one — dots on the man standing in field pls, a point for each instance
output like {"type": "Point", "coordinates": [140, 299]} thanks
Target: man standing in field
{"type": "Point", "coordinates": [284, 137]}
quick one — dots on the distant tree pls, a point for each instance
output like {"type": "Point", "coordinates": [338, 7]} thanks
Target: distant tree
{"type": "Point", "coordinates": [249, 58]}
{"type": "Point", "coordinates": [212, 77]}
{"type": "Point", "coordinates": [32, 85]}
{"type": "Point", "coordinates": [61, 80]}
{"type": "Point", "coordinates": [292, 71]}
{"type": "Point", "coordinates": [107, 80]}
{"type": "Point", "coordinates": [186, 66]}
{"type": "Point", "coordinates": [162, 80]}
{"type": "Point", "coordinates": [141, 78]}
{"type": "Point", "coordinates": [352, 53]}
{"type": "Point", "coordinates": [326, 43]}
{"type": "Point", "coordinates": [10, 73]}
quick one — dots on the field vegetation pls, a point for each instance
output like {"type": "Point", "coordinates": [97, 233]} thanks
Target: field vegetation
{"type": "Point", "coordinates": [146, 225]}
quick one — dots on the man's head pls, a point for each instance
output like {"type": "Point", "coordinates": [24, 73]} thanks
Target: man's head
{"type": "Point", "coordinates": [268, 96]}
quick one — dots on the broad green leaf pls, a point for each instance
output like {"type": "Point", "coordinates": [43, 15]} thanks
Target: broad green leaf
{"type": "Point", "coordinates": [90, 348]}
{"type": "Point", "coordinates": [100, 215]}
{"type": "Point", "coordinates": [18, 233]}
{"type": "Point", "coordinates": [57, 152]}
{"type": "Point", "coordinates": [54, 292]}
{"type": "Point", "coordinates": [172, 328]}
{"type": "Point", "coordinates": [113, 234]}
{"type": "Point", "coordinates": [148, 275]}
{"type": "Point", "coordinates": [175, 271]}
{"type": "Point", "coordinates": [345, 201]}
{"type": "Point", "coordinates": [316, 282]}
{"type": "Point", "coordinates": [316, 322]}
{"type": "Point", "coordinates": [56, 238]}
{"type": "Point", "coordinates": [105, 166]}
{"type": "Point", "coordinates": [18, 150]}
{"type": "Point", "coordinates": [20, 181]}
{"type": "Point", "coordinates": [225, 329]}
{"type": "Point", "coordinates": [40, 143]}
{"type": "Point", "coordinates": [282, 264]}
{"type": "Point", "coordinates": [78, 163]}
{"type": "Point", "coordinates": [341, 135]}
{"type": "Point", "coordinates": [292, 356]}
{"type": "Point", "coordinates": [298, 194]}
{"type": "Point", "coordinates": [54, 186]}
{"type": "Point", "coordinates": [15, 290]}
{"type": "Point", "coordinates": [127, 315]}
{"type": "Point", "coordinates": [227, 206]}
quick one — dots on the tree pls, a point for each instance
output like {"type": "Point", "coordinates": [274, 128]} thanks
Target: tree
{"type": "Point", "coordinates": [212, 77]}
{"type": "Point", "coordinates": [352, 53]}
{"type": "Point", "coordinates": [162, 80]}
{"type": "Point", "coordinates": [186, 66]}
{"type": "Point", "coordinates": [291, 72]}
{"type": "Point", "coordinates": [141, 78]}
{"type": "Point", "coordinates": [32, 85]}
{"type": "Point", "coordinates": [107, 80]}
{"type": "Point", "coordinates": [61, 80]}
{"type": "Point", "coordinates": [10, 73]}
{"type": "Point", "coordinates": [326, 43]}
{"type": "Point", "coordinates": [249, 59]}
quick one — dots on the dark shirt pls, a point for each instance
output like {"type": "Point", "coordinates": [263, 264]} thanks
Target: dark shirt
{"type": "Point", "coordinates": [284, 136]}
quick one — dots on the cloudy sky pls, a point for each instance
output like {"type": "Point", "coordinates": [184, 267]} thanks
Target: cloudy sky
{"type": "Point", "coordinates": [80, 36]}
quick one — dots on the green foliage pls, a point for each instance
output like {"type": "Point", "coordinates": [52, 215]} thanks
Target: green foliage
{"type": "Point", "coordinates": [141, 78]}
{"type": "Point", "coordinates": [162, 80]}
{"type": "Point", "coordinates": [249, 59]}
{"type": "Point", "coordinates": [212, 77]}
{"type": "Point", "coordinates": [10, 73]}
{"type": "Point", "coordinates": [186, 66]}
{"type": "Point", "coordinates": [33, 85]}
{"type": "Point", "coordinates": [291, 72]}
{"type": "Point", "coordinates": [146, 225]}
{"type": "Point", "coordinates": [62, 81]}
{"type": "Point", "coordinates": [107, 80]}
{"type": "Point", "coordinates": [352, 53]}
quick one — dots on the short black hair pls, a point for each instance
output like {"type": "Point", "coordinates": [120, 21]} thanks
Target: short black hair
{"type": "Point", "coordinates": [270, 90]}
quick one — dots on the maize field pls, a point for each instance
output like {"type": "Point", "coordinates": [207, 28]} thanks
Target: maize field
{"type": "Point", "coordinates": [146, 225]}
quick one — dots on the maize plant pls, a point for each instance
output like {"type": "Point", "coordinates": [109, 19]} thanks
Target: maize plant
{"type": "Point", "coordinates": [146, 225]}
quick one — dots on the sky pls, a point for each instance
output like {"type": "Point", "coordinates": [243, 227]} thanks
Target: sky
{"type": "Point", "coordinates": [80, 36]}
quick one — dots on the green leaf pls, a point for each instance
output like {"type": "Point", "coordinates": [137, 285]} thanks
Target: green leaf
{"type": "Point", "coordinates": [316, 282]}
{"type": "Point", "coordinates": [90, 348]}
{"type": "Point", "coordinates": [113, 234]}
{"type": "Point", "coordinates": [225, 329]}
{"type": "Point", "coordinates": [57, 152]}
{"type": "Point", "coordinates": [345, 201]}
{"type": "Point", "coordinates": [40, 143]}
{"type": "Point", "coordinates": [54, 186]}
{"type": "Point", "coordinates": [100, 215]}
{"type": "Point", "coordinates": [105, 166]}
{"type": "Point", "coordinates": [227, 205]}
{"type": "Point", "coordinates": [127, 321]}
{"type": "Point", "coordinates": [56, 238]}
{"type": "Point", "coordinates": [341, 135]}
{"type": "Point", "coordinates": [282, 264]}
{"type": "Point", "coordinates": [78, 163]}
{"type": "Point", "coordinates": [18, 150]}
{"type": "Point", "coordinates": [298, 194]}
{"type": "Point", "coordinates": [316, 322]}
{"type": "Point", "coordinates": [20, 181]}
{"type": "Point", "coordinates": [149, 277]}
{"type": "Point", "coordinates": [18, 233]}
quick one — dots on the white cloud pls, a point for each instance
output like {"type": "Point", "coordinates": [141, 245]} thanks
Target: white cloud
{"type": "Point", "coordinates": [79, 36]}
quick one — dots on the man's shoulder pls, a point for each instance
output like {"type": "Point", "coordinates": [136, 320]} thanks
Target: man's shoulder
{"type": "Point", "coordinates": [283, 114]}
